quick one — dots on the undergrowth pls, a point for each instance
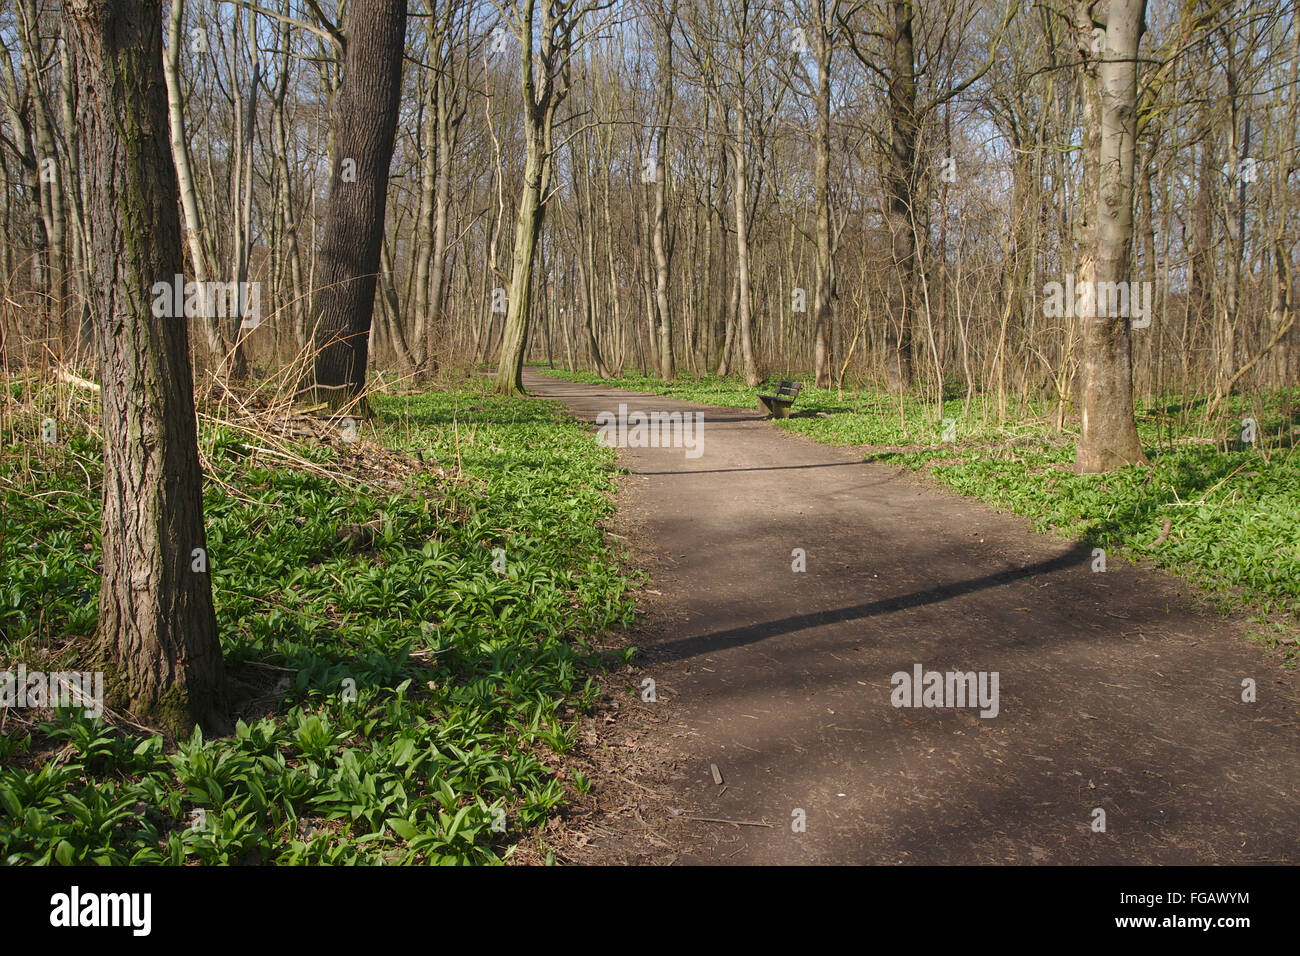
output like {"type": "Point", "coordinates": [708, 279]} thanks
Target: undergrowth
{"type": "Point", "coordinates": [412, 653]}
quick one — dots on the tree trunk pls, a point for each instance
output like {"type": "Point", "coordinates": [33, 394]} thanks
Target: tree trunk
{"type": "Point", "coordinates": [1282, 308]}
{"type": "Point", "coordinates": [821, 186]}
{"type": "Point", "coordinates": [542, 97]}
{"type": "Point", "coordinates": [658, 236]}
{"type": "Point", "coordinates": [393, 310]}
{"type": "Point", "coordinates": [528, 226]}
{"type": "Point", "coordinates": [429, 146]}
{"type": "Point", "coordinates": [184, 174]}
{"type": "Point", "coordinates": [51, 177]}
{"type": "Point", "coordinates": [587, 270]}
{"type": "Point", "coordinates": [615, 305]}
{"type": "Point", "coordinates": [741, 200]}
{"type": "Point", "coordinates": [347, 265]}
{"type": "Point", "coordinates": [1108, 438]}
{"type": "Point", "coordinates": [157, 630]}
{"type": "Point", "coordinates": [900, 180]}
{"type": "Point", "coordinates": [287, 209]}
{"type": "Point", "coordinates": [441, 201]}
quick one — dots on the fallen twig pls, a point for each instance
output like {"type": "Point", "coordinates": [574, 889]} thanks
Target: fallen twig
{"type": "Point", "coordinates": [734, 823]}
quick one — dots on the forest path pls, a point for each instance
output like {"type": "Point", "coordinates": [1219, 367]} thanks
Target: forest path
{"type": "Point", "coordinates": [1115, 691]}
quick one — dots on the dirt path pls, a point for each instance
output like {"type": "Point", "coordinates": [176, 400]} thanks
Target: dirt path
{"type": "Point", "coordinates": [1115, 692]}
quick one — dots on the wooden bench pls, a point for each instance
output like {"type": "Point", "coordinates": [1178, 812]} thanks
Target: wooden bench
{"type": "Point", "coordinates": [778, 405]}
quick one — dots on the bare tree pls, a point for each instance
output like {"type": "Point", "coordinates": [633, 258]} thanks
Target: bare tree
{"type": "Point", "coordinates": [544, 71]}
{"type": "Point", "coordinates": [924, 201]}
{"type": "Point", "coordinates": [445, 109]}
{"type": "Point", "coordinates": [661, 247]}
{"type": "Point", "coordinates": [218, 342]}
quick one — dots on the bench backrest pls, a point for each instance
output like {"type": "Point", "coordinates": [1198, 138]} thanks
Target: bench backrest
{"type": "Point", "coordinates": [790, 389]}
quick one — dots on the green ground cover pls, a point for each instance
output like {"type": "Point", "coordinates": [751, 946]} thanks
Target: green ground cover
{"type": "Point", "coordinates": [425, 686]}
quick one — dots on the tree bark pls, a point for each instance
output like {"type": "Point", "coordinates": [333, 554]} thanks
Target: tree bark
{"type": "Point", "coordinates": [821, 186]}
{"type": "Point", "coordinates": [542, 96]}
{"type": "Point", "coordinates": [900, 184]}
{"type": "Point", "coordinates": [287, 207]}
{"type": "Point", "coordinates": [51, 173]}
{"type": "Point", "coordinates": [347, 264]}
{"type": "Point", "coordinates": [157, 631]}
{"type": "Point", "coordinates": [741, 201]}
{"type": "Point", "coordinates": [1108, 438]}
{"type": "Point", "coordinates": [218, 344]}
{"type": "Point", "coordinates": [528, 227]}
{"type": "Point", "coordinates": [658, 237]}
{"type": "Point", "coordinates": [588, 273]}
{"type": "Point", "coordinates": [449, 117]}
